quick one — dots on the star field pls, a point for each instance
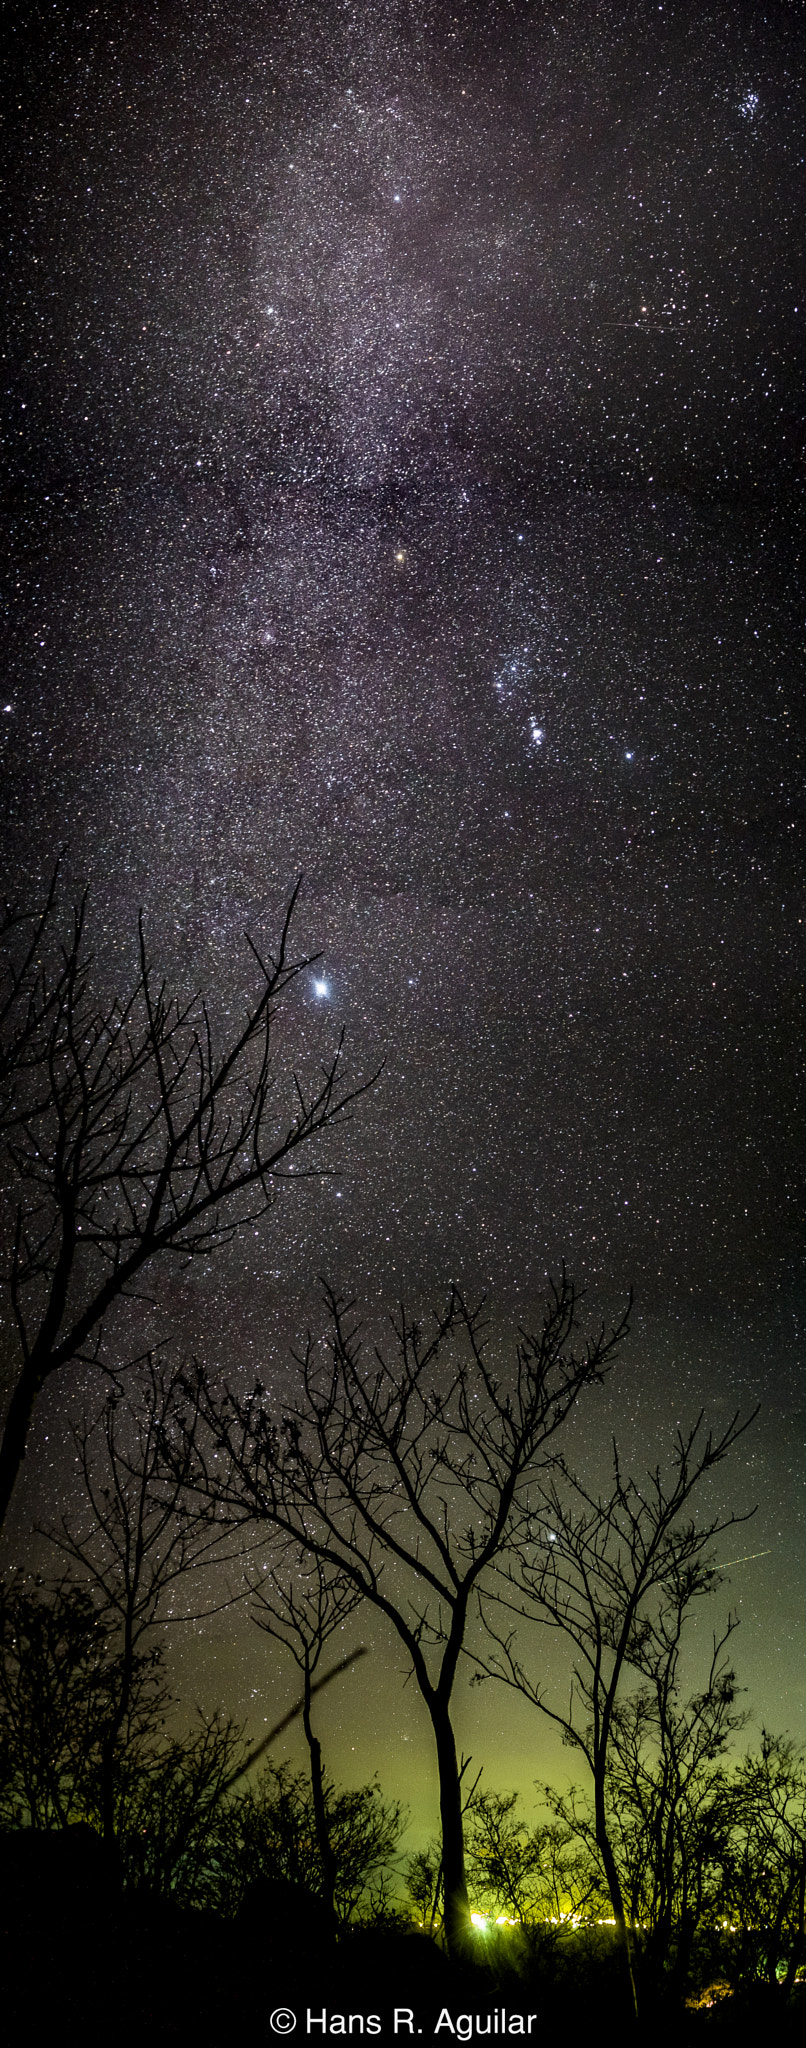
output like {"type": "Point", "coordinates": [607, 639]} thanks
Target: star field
{"type": "Point", "coordinates": [404, 417]}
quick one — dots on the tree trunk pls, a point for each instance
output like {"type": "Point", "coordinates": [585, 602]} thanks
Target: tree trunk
{"type": "Point", "coordinates": [623, 1928]}
{"type": "Point", "coordinates": [326, 1856]}
{"type": "Point", "coordinates": [34, 1373]}
{"type": "Point", "coordinates": [457, 1903]}
{"type": "Point", "coordinates": [798, 1949]}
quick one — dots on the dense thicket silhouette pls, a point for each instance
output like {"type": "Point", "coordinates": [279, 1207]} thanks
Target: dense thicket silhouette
{"type": "Point", "coordinates": [402, 1471]}
{"type": "Point", "coordinates": [136, 1546]}
{"type": "Point", "coordinates": [60, 1687]}
{"type": "Point", "coordinates": [131, 1130]}
{"type": "Point", "coordinates": [272, 1831]}
{"type": "Point", "coordinates": [182, 1831]}
{"type": "Point", "coordinates": [529, 1875]}
{"type": "Point", "coordinates": [728, 1862]}
{"type": "Point", "coordinates": [763, 1891]}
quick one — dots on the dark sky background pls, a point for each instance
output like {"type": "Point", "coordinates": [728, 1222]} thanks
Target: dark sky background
{"type": "Point", "coordinates": [405, 418]}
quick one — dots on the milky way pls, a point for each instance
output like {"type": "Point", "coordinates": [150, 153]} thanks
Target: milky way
{"type": "Point", "coordinates": [405, 415]}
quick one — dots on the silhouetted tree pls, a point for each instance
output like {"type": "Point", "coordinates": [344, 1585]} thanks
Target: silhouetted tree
{"type": "Point", "coordinates": [423, 1873]}
{"type": "Point", "coordinates": [271, 1831]}
{"type": "Point", "coordinates": [502, 1854]}
{"type": "Point", "coordinates": [529, 1875]}
{"type": "Point", "coordinates": [667, 1814]}
{"type": "Point", "coordinates": [402, 1474]}
{"type": "Point", "coordinates": [138, 1546]}
{"type": "Point", "coordinates": [60, 1680]}
{"type": "Point", "coordinates": [173, 1825]}
{"type": "Point", "coordinates": [181, 1831]}
{"type": "Point", "coordinates": [763, 1896]}
{"type": "Point", "coordinates": [303, 1612]}
{"type": "Point", "coordinates": [134, 1135]}
{"type": "Point", "coordinates": [532, 1880]}
{"type": "Point", "coordinates": [665, 1794]}
{"type": "Point", "coordinates": [618, 1575]}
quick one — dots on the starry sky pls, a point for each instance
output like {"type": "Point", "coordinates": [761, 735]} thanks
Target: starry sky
{"type": "Point", "coordinates": [405, 417]}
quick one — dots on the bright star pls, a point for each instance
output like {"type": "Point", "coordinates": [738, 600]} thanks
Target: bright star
{"type": "Point", "coordinates": [321, 988]}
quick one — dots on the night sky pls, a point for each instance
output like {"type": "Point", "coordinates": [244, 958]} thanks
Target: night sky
{"type": "Point", "coordinates": [405, 419]}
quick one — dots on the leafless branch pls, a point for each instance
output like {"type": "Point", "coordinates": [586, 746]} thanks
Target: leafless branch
{"type": "Point", "coordinates": [135, 1136]}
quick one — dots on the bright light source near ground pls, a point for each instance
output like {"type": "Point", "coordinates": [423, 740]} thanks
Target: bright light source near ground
{"type": "Point", "coordinates": [483, 1924]}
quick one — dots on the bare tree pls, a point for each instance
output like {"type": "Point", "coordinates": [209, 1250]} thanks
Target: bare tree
{"type": "Point", "coordinates": [402, 1473]}
{"type": "Point", "coordinates": [666, 1799]}
{"type": "Point", "coordinates": [136, 1136]}
{"type": "Point", "coordinates": [667, 1806]}
{"type": "Point", "coordinates": [303, 1612]}
{"type": "Point", "coordinates": [618, 1576]}
{"type": "Point", "coordinates": [139, 1545]}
